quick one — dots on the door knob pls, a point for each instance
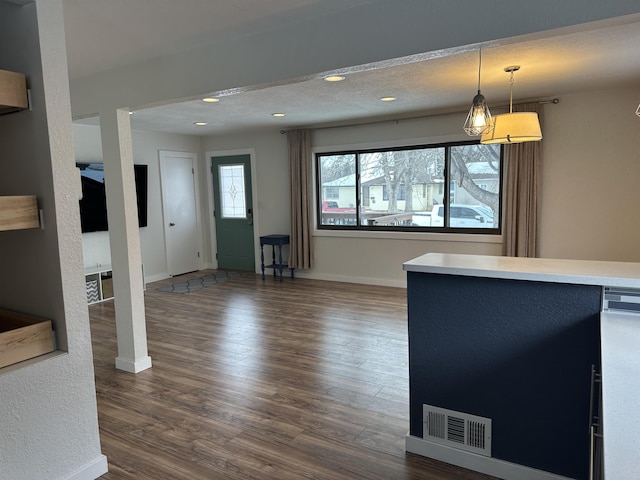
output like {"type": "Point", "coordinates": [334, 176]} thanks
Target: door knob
{"type": "Point", "coordinates": [171, 224]}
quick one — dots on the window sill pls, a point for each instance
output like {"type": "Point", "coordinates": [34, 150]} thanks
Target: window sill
{"type": "Point", "coordinates": [417, 236]}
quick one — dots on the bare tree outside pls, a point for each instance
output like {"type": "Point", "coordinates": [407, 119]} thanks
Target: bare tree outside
{"type": "Point", "coordinates": [463, 157]}
{"type": "Point", "coordinates": [404, 169]}
{"type": "Point", "coordinates": [409, 186]}
{"type": "Point", "coordinates": [337, 166]}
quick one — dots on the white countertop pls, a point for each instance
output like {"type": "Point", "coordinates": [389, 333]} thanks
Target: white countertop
{"type": "Point", "coordinates": [581, 272]}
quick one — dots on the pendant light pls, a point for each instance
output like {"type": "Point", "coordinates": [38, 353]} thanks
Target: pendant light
{"type": "Point", "coordinates": [513, 127]}
{"type": "Point", "coordinates": [478, 121]}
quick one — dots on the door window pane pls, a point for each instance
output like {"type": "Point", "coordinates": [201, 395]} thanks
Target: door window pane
{"type": "Point", "coordinates": [232, 194]}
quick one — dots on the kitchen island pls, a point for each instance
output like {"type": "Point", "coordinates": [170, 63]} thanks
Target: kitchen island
{"type": "Point", "coordinates": [507, 345]}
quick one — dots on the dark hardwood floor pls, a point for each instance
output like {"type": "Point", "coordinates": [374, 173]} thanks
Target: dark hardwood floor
{"type": "Point", "coordinates": [256, 379]}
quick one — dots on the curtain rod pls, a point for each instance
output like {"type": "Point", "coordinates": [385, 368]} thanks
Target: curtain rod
{"type": "Point", "coordinates": [442, 114]}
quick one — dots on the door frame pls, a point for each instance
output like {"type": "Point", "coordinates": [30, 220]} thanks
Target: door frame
{"type": "Point", "coordinates": [196, 190]}
{"type": "Point", "coordinates": [254, 192]}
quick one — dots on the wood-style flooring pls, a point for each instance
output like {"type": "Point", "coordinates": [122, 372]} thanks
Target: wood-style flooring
{"type": "Point", "coordinates": [256, 379]}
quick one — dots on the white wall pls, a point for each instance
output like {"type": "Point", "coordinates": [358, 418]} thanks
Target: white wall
{"type": "Point", "coordinates": [88, 148]}
{"type": "Point", "coordinates": [377, 257]}
{"type": "Point", "coordinates": [48, 418]}
{"type": "Point", "coordinates": [271, 204]}
{"type": "Point", "coordinates": [372, 257]}
{"type": "Point", "coordinates": [590, 193]}
{"type": "Point", "coordinates": [145, 151]}
{"type": "Point", "coordinates": [590, 166]}
{"type": "Point", "coordinates": [415, 29]}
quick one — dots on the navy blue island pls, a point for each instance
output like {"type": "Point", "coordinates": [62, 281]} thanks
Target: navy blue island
{"type": "Point", "coordinates": [502, 352]}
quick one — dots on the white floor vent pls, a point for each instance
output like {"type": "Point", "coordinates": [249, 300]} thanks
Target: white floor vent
{"type": "Point", "coordinates": [457, 430]}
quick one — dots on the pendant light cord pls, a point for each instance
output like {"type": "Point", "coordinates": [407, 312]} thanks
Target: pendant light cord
{"type": "Point", "coordinates": [479, 67]}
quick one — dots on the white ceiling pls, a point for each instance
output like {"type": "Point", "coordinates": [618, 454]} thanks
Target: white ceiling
{"type": "Point", "coordinates": [103, 35]}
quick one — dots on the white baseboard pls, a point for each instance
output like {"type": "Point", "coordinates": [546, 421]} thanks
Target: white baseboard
{"type": "Point", "coordinates": [155, 278]}
{"type": "Point", "coordinates": [478, 463]}
{"type": "Point", "coordinates": [133, 366]}
{"type": "Point", "coordinates": [383, 282]}
{"type": "Point", "coordinates": [92, 470]}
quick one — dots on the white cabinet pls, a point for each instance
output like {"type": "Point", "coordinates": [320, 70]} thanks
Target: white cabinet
{"type": "Point", "coordinates": [99, 283]}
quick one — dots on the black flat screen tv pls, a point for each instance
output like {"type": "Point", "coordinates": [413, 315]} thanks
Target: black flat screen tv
{"type": "Point", "coordinates": [93, 206]}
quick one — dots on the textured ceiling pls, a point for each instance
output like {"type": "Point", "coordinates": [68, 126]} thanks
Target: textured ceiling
{"type": "Point", "coordinates": [106, 34]}
{"type": "Point", "coordinates": [120, 32]}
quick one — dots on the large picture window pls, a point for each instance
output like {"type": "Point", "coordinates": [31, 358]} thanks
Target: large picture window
{"type": "Point", "coordinates": [443, 188]}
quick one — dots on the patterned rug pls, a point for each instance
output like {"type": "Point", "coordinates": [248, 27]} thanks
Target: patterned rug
{"type": "Point", "coordinates": [195, 284]}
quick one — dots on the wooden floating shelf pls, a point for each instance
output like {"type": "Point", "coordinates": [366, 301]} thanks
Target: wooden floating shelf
{"type": "Point", "coordinates": [19, 212]}
{"type": "Point", "coordinates": [23, 337]}
{"type": "Point", "coordinates": [13, 92]}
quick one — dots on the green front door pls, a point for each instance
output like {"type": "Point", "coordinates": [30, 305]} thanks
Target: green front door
{"type": "Point", "coordinates": [233, 212]}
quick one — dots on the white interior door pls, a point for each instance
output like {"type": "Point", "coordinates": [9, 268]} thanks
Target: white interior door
{"type": "Point", "coordinates": [179, 207]}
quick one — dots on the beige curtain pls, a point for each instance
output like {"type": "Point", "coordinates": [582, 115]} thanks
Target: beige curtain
{"type": "Point", "coordinates": [300, 255]}
{"type": "Point", "coordinates": [523, 163]}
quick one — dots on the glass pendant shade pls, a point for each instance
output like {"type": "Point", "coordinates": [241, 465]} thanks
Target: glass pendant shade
{"type": "Point", "coordinates": [478, 120]}
{"type": "Point", "coordinates": [514, 128]}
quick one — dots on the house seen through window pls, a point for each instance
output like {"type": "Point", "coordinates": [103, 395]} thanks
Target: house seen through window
{"type": "Point", "coordinates": [444, 188]}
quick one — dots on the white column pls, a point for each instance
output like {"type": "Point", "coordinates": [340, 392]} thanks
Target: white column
{"type": "Point", "coordinates": [124, 238]}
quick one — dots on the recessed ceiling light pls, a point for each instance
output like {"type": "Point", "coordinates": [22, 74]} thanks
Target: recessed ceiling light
{"type": "Point", "coordinates": [334, 78]}
{"type": "Point", "coordinates": [131, 112]}
{"type": "Point", "coordinates": [278, 114]}
{"type": "Point", "coordinates": [388, 99]}
{"type": "Point", "coordinates": [211, 100]}
{"type": "Point", "coordinates": [200, 124]}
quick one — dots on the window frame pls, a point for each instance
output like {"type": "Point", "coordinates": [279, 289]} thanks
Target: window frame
{"type": "Point", "coordinates": [360, 226]}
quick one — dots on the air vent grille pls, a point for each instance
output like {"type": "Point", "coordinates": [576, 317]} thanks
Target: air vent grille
{"type": "Point", "coordinates": [436, 424]}
{"type": "Point", "coordinates": [477, 434]}
{"type": "Point", "coordinates": [456, 429]}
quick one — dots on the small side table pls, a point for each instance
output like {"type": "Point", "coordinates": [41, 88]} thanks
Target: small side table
{"type": "Point", "coordinates": [274, 241]}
